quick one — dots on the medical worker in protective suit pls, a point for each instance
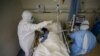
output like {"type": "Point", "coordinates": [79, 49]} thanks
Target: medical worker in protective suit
{"type": "Point", "coordinates": [83, 40]}
{"type": "Point", "coordinates": [26, 31]}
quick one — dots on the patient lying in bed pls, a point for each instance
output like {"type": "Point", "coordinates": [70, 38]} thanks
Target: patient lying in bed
{"type": "Point", "coordinates": [52, 45]}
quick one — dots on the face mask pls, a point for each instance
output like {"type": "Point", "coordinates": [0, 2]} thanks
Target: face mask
{"type": "Point", "coordinates": [32, 19]}
{"type": "Point", "coordinates": [84, 27]}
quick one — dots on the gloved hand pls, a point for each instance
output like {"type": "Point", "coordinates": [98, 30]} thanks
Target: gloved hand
{"type": "Point", "coordinates": [43, 24]}
{"type": "Point", "coordinates": [47, 22]}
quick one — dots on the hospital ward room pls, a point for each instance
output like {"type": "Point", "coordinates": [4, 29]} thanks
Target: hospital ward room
{"type": "Point", "coordinates": [49, 27]}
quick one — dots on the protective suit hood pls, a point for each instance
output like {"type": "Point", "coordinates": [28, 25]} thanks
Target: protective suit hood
{"type": "Point", "coordinates": [84, 25]}
{"type": "Point", "coordinates": [27, 16]}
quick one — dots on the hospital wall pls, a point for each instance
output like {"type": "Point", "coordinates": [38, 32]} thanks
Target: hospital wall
{"type": "Point", "coordinates": [10, 11]}
{"type": "Point", "coordinates": [88, 8]}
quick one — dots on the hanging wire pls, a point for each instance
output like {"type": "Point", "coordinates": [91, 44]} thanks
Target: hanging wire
{"type": "Point", "coordinates": [58, 10]}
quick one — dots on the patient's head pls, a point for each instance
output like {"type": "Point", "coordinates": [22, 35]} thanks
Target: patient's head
{"type": "Point", "coordinates": [44, 30]}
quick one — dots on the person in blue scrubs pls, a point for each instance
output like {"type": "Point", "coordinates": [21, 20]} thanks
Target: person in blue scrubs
{"type": "Point", "coordinates": [83, 40]}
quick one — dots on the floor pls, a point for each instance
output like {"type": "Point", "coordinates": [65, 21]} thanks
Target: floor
{"type": "Point", "coordinates": [96, 51]}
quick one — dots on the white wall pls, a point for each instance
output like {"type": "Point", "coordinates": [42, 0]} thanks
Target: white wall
{"type": "Point", "coordinates": [89, 6]}
{"type": "Point", "coordinates": [50, 16]}
{"type": "Point", "coordinates": [50, 5]}
{"type": "Point", "coordinates": [10, 11]}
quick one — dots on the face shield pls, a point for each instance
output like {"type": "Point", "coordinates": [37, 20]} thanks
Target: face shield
{"type": "Point", "coordinates": [84, 25]}
{"type": "Point", "coordinates": [27, 16]}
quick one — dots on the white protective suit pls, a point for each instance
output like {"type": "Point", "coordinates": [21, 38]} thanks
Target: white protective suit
{"type": "Point", "coordinates": [26, 31]}
{"type": "Point", "coordinates": [53, 45]}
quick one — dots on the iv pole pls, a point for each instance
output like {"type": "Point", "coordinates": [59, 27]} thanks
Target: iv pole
{"type": "Point", "coordinates": [58, 13]}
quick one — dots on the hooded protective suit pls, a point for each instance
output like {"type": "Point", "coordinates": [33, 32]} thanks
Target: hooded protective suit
{"type": "Point", "coordinates": [84, 40]}
{"type": "Point", "coordinates": [53, 45]}
{"type": "Point", "coordinates": [26, 31]}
